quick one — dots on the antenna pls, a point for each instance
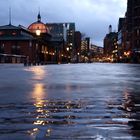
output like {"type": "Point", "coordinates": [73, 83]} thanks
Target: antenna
{"type": "Point", "coordinates": [9, 15]}
{"type": "Point", "coordinates": [39, 9]}
{"type": "Point", "coordinates": [39, 16]}
{"type": "Point", "coordinates": [110, 28]}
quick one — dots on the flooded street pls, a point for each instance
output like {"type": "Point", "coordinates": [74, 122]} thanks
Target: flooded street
{"type": "Point", "coordinates": [69, 102]}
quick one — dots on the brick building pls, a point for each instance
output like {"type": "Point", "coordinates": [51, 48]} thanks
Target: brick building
{"type": "Point", "coordinates": [133, 28]}
{"type": "Point", "coordinates": [16, 44]}
{"type": "Point", "coordinates": [130, 32]}
{"type": "Point", "coordinates": [110, 45]}
{"type": "Point", "coordinates": [34, 44]}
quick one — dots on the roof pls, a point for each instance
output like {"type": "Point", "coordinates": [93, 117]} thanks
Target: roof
{"type": "Point", "coordinates": [9, 27]}
{"type": "Point", "coordinates": [25, 35]}
{"type": "Point", "coordinates": [38, 25]}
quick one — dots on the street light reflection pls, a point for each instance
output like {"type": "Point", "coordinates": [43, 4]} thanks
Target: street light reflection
{"type": "Point", "coordinates": [38, 91]}
{"type": "Point", "coordinates": [42, 113]}
{"type": "Point", "coordinates": [33, 132]}
{"type": "Point", "coordinates": [38, 72]}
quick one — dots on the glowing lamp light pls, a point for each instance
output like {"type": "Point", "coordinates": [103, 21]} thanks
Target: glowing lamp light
{"type": "Point", "coordinates": [38, 32]}
{"type": "Point", "coordinates": [67, 49]}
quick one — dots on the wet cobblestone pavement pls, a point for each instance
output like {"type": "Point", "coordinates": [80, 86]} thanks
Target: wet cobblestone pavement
{"type": "Point", "coordinates": [69, 102]}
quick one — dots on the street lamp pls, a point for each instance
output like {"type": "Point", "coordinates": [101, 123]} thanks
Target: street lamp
{"type": "Point", "coordinates": [38, 32]}
{"type": "Point", "coordinates": [78, 57]}
{"type": "Point", "coordinates": [38, 50]}
{"type": "Point", "coordinates": [67, 48]}
{"type": "Point", "coordinates": [67, 55]}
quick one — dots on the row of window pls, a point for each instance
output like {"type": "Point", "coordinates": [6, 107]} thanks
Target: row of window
{"type": "Point", "coordinates": [8, 33]}
{"type": "Point", "coordinates": [137, 22]}
{"type": "Point", "coordinates": [14, 49]}
{"type": "Point", "coordinates": [137, 32]}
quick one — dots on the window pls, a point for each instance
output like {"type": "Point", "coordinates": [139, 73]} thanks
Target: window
{"type": "Point", "coordinates": [138, 32]}
{"type": "Point", "coordinates": [14, 33]}
{"type": "Point", "coordinates": [15, 50]}
{"type": "Point", "coordinates": [1, 33]}
{"type": "Point", "coordinates": [2, 48]}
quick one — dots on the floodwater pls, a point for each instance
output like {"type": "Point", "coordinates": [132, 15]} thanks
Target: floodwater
{"type": "Point", "coordinates": [70, 102]}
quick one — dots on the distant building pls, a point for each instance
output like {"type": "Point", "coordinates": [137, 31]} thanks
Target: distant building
{"type": "Point", "coordinates": [96, 53]}
{"type": "Point", "coordinates": [110, 45]}
{"type": "Point", "coordinates": [85, 46]}
{"type": "Point", "coordinates": [77, 41]}
{"type": "Point", "coordinates": [96, 49]}
{"type": "Point", "coordinates": [64, 31]}
{"type": "Point", "coordinates": [58, 30]}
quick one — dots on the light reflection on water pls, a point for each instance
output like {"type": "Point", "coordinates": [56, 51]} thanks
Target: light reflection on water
{"type": "Point", "coordinates": [64, 105]}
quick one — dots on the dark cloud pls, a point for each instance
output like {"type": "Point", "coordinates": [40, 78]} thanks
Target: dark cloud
{"type": "Point", "coordinates": [92, 17]}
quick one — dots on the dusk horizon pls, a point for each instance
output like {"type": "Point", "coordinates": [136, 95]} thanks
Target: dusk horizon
{"type": "Point", "coordinates": [70, 70]}
{"type": "Point", "coordinates": [91, 17]}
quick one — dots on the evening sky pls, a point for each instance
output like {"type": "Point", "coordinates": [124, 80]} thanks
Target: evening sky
{"type": "Point", "coordinates": [91, 17]}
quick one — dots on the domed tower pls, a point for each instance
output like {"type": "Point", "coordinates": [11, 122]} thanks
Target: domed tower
{"type": "Point", "coordinates": [38, 27]}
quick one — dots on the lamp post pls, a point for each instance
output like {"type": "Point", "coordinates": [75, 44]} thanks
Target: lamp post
{"type": "Point", "coordinates": [38, 51]}
{"type": "Point", "coordinates": [78, 57]}
{"type": "Point", "coordinates": [68, 48]}
{"type": "Point", "coordinates": [67, 54]}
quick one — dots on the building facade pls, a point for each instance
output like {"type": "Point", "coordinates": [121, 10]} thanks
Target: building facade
{"type": "Point", "coordinates": [111, 45]}
{"type": "Point", "coordinates": [96, 53]}
{"type": "Point", "coordinates": [77, 41]}
{"type": "Point", "coordinates": [32, 45]}
{"type": "Point", "coordinates": [65, 31]}
{"type": "Point", "coordinates": [16, 44]}
{"type": "Point", "coordinates": [133, 26]}
{"type": "Point", "coordinates": [85, 47]}
{"type": "Point", "coordinates": [131, 32]}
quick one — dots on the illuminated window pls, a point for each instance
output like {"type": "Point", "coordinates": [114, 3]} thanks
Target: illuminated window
{"type": "Point", "coordinates": [1, 33]}
{"type": "Point", "coordinates": [14, 33]}
{"type": "Point", "coordinates": [38, 32]}
{"type": "Point", "coordinates": [2, 48]}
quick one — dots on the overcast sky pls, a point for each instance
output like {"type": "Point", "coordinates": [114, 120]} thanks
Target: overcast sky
{"type": "Point", "coordinates": [91, 17]}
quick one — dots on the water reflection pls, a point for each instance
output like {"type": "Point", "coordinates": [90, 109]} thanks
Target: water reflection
{"type": "Point", "coordinates": [64, 106]}
{"type": "Point", "coordinates": [50, 113]}
{"type": "Point", "coordinates": [39, 73]}
{"type": "Point", "coordinates": [131, 104]}
{"type": "Point", "coordinates": [128, 104]}
{"type": "Point", "coordinates": [38, 95]}
{"type": "Point", "coordinates": [38, 91]}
